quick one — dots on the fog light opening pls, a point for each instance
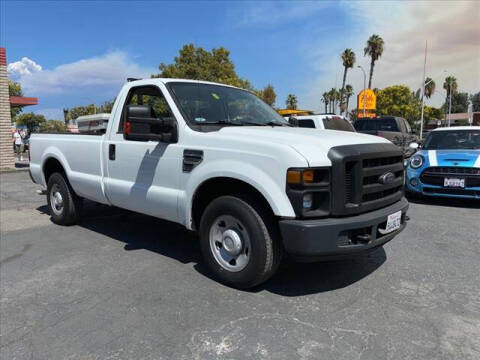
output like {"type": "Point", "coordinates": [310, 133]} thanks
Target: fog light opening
{"type": "Point", "coordinates": [307, 201]}
{"type": "Point", "coordinates": [414, 182]}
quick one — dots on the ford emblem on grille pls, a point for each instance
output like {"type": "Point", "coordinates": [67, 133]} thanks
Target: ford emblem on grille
{"type": "Point", "coordinates": [386, 178]}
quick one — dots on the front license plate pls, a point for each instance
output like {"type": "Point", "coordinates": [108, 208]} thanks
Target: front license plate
{"type": "Point", "coordinates": [454, 182]}
{"type": "Point", "coordinates": [394, 221]}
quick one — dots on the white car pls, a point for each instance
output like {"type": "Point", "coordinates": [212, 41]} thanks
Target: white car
{"type": "Point", "coordinates": [220, 161]}
{"type": "Point", "coordinates": [324, 122]}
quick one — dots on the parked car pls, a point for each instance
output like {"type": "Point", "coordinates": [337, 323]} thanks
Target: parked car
{"type": "Point", "coordinates": [395, 129]}
{"type": "Point", "coordinates": [448, 164]}
{"type": "Point", "coordinates": [220, 161]}
{"type": "Point", "coordinates": [324, 122]}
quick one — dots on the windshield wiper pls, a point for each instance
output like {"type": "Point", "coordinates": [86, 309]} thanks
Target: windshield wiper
{"type": "Point", "coordinates": [270, 123]}
{"type": "Point", "coordinates": [221, 122]}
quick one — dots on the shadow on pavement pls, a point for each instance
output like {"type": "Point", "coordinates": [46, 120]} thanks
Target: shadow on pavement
{"type": "Point", "coordinates": [444, 201]}
{"type": "Point", "coordinates": [139, 231]}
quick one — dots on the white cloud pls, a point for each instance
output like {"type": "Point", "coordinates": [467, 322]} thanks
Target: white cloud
{"type": "Point", "coordinates": [451, 28]}
{"type": "Point", "coordinates": [25, 66]}
{"type": "Point", "coordinates": [103, 72]}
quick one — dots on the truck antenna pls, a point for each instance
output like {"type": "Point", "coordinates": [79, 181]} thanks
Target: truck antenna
{"type": "Point", "coordinates": [132, 79]}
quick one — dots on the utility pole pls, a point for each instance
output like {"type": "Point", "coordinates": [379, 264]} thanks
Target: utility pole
{"type": "Point", "coordinates": [423, 90]}
{"type": "Point", "coordinates": [449, 103]}
{"type": "Point", "coordinates": [364, 90]}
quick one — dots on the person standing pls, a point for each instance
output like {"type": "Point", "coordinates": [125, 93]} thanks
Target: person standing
{"type": "Point", "coordinates": [18, 141]}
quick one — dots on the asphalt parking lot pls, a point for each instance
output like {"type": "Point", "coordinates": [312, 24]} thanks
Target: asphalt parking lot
{"type": "Point", "coordinates": [128, 286]}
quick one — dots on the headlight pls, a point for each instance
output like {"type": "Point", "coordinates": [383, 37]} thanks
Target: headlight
{"type": "Point", "coordinates": [416, 161]}
{"type": "Point", "coordinates": [309, 191]}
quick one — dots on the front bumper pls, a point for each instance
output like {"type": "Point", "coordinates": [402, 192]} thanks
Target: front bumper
{"type": "Point", "coordinates": [416, 186]}
{"type": "Point", "coordinates": [339, 237]}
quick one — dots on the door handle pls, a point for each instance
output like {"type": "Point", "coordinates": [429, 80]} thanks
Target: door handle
{"type": "Point", "coordinates": [111, 151]}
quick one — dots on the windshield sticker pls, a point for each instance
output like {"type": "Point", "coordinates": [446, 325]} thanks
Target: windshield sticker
{"type": "Point", "coordinates": [200, 119]}
{"type": "Point", "coordinates": [215, 96]}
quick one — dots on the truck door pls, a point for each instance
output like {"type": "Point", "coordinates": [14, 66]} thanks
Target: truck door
{"type": "Point", "coordinates": [143, 175]}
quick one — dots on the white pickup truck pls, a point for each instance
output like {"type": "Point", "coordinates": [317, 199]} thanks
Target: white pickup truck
{"type": "Point", "coordinates": [221, 162]}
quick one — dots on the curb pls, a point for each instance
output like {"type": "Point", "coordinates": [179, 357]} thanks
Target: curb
{"type": "Point", "coordinates": [13, 170]}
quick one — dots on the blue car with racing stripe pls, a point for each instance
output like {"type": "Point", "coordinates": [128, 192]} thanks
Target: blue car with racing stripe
{"type": "Point", "coordinates": [448, 164]}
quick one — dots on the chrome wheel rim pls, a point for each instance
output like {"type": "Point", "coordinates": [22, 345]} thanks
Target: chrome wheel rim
{"type": "Point", "coordinates": [230, 243]}
{"type": "Point", "coordinates": [56, 200]}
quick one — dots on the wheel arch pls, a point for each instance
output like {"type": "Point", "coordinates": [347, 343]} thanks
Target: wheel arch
{"type": "Point", "coordinates": [215, 187]}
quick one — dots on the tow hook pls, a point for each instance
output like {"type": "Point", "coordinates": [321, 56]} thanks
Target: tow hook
{"type": "Point", "coordinates": [363, 238]}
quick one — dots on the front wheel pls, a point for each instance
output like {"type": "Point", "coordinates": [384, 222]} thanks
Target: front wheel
{"type": "Point", "coordinates": [240, 246]}
{"type": "Point", "coordinates": [64, 205]}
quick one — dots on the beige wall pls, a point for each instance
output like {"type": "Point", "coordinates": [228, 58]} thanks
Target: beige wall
{"type": "Point", "coordinates": [6, 148]}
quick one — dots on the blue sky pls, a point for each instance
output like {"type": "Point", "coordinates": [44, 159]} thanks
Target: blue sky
{"type": "Point", "coordinates": [86, 49]}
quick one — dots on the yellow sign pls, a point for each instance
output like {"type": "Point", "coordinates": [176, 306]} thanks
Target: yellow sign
{"type": "Point", "coordinates": [367, 99]}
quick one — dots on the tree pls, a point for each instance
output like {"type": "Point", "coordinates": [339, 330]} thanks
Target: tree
{"type": "Point", "coordinates": [199, 64]}
{"type": "Point", "coordinates": [450, 85]}
{"type": "Point", "coordinates": [429, 87]}
{"type": "Point", "coordinates": [291, 102]}
{"type": "Point", "coordinates": [14, 89]}
{"type": "Point", "coordinates": [475, 99]}
{"type": "Point", "coordinates": [398, 100]}
{"type": "Point", "coordinates": [53, 126]}
{"type": "Point", "coordinates": [459, 103]}
{"type": "Point", "coordinates": [326, 100]}
{"type": "Point", "coordinates": [348, 94]}
{"type": "Point", "coordinates": [30, 120]}
{"type": "Point", "coordinates": [374, 49]}
{"type": "Point", "coordinates": [76, 111]}
{"type": "Point", "coordinates": [268, 95]}
{"type": "Point", "coordinates": [334, 97]}
{"type": "Point", "coordinates": [348, 59]}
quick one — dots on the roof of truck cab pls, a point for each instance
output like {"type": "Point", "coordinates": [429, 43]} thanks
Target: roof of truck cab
{"type": "Point", "coordinates": [169, 80]}
{"type": "Point", "coordinates": [457, 128]}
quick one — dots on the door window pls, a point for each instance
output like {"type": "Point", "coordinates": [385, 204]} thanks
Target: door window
{"type": "Point", "coordinates": [147, 95]}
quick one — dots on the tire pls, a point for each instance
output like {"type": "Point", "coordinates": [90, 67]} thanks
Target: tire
{"type": "Point", "coordinates": [64, 205]}
{"type": "Point", "coordinates": [261, 249]}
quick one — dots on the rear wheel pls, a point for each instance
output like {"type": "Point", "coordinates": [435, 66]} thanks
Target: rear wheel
{"type": "Point", "coordinates": [240, 247]}
{"type": "Point", "coordinates": [64, 205]}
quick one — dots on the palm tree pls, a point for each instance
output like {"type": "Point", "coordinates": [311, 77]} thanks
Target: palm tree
{"type": "Point", "coordinates": [348, 58]}
{"type": "Point", "coordinates": [338, 99]}
{"type": "Point", "coordinates": [348, 93]}
{"type": "Point", "coordinates": [325, 100]}
{"type": "Point", "coordinates": [429, 87]}
{"type": "Point", "coordinates": [332, 98]}
{"type": "Point", "coordinates": [374, 49]}
{"type": "Point", "coordinates": [291, 102]}
{"type": "Point", "coordinates": [450, 85]}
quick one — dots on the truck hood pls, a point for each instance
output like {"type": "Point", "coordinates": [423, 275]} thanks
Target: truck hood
{"type": "Point", "coordinates": [313, 144]}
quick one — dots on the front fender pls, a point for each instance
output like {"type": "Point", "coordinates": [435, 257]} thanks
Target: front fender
{"type": "Point", "coordinates": [271, 187]}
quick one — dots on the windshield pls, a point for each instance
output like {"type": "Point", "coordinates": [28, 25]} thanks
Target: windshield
{"type": "Point", "coordinates": [376, 124]}
{"type": "Point", "coordinates": [453, 139]}
{"type": "Point", "coordinates": [205, 104]}
{"type": "Point", "coordinates": [337, 123]}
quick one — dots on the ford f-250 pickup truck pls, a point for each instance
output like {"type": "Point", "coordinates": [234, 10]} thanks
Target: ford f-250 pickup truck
{"type": "Point", "coordinates": [220, 161]}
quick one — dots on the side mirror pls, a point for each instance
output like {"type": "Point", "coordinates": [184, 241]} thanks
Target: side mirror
{"type": "Point", "coordinates": [293, 121]}
{"type": "Point", "coordinates": [413, 145]}
{"type": "Point", "coordinates": [141, 125]}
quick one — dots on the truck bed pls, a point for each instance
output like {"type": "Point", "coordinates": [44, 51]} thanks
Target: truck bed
{"type": "Point", "coordinates": [82, 155]}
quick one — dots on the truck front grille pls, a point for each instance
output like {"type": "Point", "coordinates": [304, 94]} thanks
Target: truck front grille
{"type": "Point", "coordinates": [356, 183]}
